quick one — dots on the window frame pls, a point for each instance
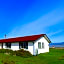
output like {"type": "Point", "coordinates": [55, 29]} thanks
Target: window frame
{"type": "Point", "coordinates": [8, 45]}
{"type": "Point", "coordinates": [42, 44]}
{"type": "Point", "coordinates": [23, 45]}
{"type": "Point", "coordinates": [39, 45]}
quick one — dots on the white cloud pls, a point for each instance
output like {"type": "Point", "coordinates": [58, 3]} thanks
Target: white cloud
{"type": "Point", "coordinates": [54, 33]}
{"type": "Point", "coordinates": [39, 25]}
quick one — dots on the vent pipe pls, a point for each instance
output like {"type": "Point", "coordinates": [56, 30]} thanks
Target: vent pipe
{"type": "Point", "coordinates": [5, 36]}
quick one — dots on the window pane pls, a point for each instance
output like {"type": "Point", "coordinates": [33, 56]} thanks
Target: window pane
{"type": "Point", "coordinates": [23, 45]}
{"type": "Point", "coordinates": [42, 45]}
{"type": "Point", "coordinates": [20, 45]}
{"type": "Point", "coordinates": [39, 44]}
{"type": "Point", "coordinates": [26, 45]}
{"type": "Point", "coordinates": [8, 45]}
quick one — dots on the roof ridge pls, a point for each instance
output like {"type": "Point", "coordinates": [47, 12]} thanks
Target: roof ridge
{"type": "Point", "coordinates": [24, 38]}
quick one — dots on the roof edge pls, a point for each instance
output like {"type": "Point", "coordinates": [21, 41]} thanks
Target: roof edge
{"type": "Point", "coordinates": [46, 37]}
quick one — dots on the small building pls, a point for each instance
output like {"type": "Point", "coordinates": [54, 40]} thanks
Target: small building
{"type": "Point", "coordinates": [35, 44]}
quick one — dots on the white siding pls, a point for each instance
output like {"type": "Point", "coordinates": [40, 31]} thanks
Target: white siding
{"type": "Point", "coordinates": [30, 47]}
{"type": "Point", "coordinates": [0, 45]}
{"type": "Point", "coordinates": [15, 46]}
{"type": "Point", "coordinates": [4, 46]}
{"type": "Point", "coordinates": [42, 50]}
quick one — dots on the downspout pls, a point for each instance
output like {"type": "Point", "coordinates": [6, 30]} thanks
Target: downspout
{"type": "Point", "coordinates": [33, 48]}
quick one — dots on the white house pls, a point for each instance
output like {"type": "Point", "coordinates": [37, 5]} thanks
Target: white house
{"type": "Point", "coordinates": [35, 44]}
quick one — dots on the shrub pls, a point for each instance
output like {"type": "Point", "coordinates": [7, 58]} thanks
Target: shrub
{"type": "Point", "coordinates": [13, 53]}
{"type": "Point", "coordinates": [2, 50]}
{"type": "Point", "coordinates": [23, 53]}
{"type": "Point", "coordinates": [5, 51]}
{"type": "Point", "coordinates": [8, 51]}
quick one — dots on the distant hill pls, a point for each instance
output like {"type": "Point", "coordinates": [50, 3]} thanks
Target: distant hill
{"type": "Point", "coordinates": [57, 44]}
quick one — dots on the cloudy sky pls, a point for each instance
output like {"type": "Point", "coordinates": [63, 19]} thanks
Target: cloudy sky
{"type": "Point", "coordinates": [28, 17]}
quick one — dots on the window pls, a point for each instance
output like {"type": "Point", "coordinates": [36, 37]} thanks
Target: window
{"type": "Point", "coordinates": [8, 45]}
{"type": "Point", "coordinates": [42, 45]}
{"type": "Point", "coordinates": [23, 45]}
{"type": "Point", "coordinates": [20, 45]}
{"type": "Point", "coordinates": [26, 45]}
{"type": "Point", "coordinates": [39, 45]}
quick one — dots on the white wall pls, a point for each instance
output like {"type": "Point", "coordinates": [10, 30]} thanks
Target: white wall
{"type": "Point", "coordinates": [4, 46]}
{"type": "Point", "coordinates": [0, 45]}
{"type": "Point", "coordinates": [42, 50]}
{"type": "Point", "coordinates": [14, 46]}
{"type": "Point", "coordinates": [30, 47]}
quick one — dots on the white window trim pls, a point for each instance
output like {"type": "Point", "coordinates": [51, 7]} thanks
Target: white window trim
{"type": "Point", "coordinates": [41, 45]}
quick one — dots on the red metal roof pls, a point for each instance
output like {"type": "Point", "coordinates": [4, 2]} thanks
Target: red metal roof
{"type": "Point", "coordinates": [22, 39]}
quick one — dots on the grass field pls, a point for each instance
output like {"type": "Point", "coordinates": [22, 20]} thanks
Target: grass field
{"type": "Point", "coordinates": [55, 56]}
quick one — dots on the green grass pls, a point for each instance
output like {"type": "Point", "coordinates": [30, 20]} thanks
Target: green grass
{"type": "Point", "coordinates": [55, 56]}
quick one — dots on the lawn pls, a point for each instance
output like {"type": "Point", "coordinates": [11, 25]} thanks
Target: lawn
{"type": "Point", "coordinates": [55, 56]}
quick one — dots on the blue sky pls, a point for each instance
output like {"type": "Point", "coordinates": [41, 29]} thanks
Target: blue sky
{"type": "Point", "coordinates": [28, 17]}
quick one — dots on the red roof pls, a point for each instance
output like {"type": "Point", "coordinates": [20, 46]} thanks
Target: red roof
{"type": "Point", "coordinates": [22, 39]}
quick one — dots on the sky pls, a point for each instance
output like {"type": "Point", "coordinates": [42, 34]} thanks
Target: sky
{"type": "Point", "coordinates": [29, 17]}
